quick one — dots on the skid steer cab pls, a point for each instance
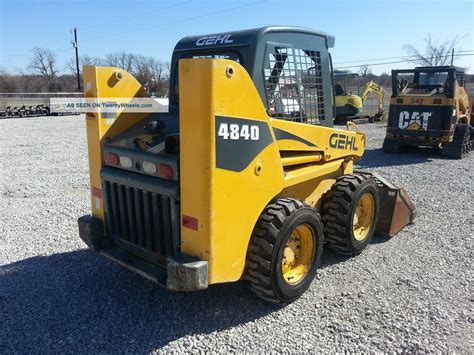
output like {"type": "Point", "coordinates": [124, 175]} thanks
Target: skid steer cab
{"type": "Point", "coordinates": [243, 178]}
{"type": "Point", "coordinates": [430, 107]}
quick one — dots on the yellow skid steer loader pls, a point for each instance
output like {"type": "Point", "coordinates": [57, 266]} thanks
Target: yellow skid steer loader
{"type": "Point", "coordinates": [224, 187]}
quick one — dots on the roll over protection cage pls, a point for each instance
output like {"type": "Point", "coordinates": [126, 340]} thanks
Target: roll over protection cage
{"type": "Point", "coordinates": [454, 73]}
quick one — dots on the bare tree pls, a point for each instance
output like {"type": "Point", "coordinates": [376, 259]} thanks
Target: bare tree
{"type": "Point", "coordinates": [43, 63]}
{"type": "Point", "coordinates": [121, 60]}
{"type": "Point", "coordinates": [7, 83]}
{"type": "Point", "coordinates": [83, 60]}
{"type": "Point", "coordinates": [151, 73]}
{"type": "Point", "coordinates": [364, 70]}
{"type": "Point", "coordinates": [434, 53]}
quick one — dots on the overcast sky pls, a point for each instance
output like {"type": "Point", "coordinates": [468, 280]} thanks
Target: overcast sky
{"type": "Point", "coordinates": [364, 29]}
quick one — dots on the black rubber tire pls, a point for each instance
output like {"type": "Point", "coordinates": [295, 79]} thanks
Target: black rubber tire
{"type": "Point", "coordinates": [338, 208]}
{"type": "Point", "coordinates": [461, 144]}
{"type": "Point", "coordinates": [263, 265]}
{"type": "Point", "coordinates": [391, 145]}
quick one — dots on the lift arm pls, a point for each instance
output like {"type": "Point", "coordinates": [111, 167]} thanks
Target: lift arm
{"type": "Point", "coordinates": [373, 88]}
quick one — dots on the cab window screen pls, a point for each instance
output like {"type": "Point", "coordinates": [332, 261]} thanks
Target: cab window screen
{"type": "Point", "coordinates": [294, 85]}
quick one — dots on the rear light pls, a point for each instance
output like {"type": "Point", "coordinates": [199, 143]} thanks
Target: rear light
{"type": "Point", "coordinates": [399, 101]}
{"type": "Point", "coordinates": [166, 171]}
{"type": "Point", "coordinates": [112, 159]}
{"type": "Point", "coordinates": [437, 101]}
{"type": "Point", "coordinates": [149, 167]}
{"type": "Point", "coordinates": [125, 162]}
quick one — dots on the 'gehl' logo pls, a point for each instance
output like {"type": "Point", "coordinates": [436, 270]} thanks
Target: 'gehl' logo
{"type": "Point", "coordinates": [342, 141]}
{"type": "Point", "coordinates": [212, 40]}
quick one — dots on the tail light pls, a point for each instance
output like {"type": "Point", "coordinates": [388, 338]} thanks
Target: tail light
{"type": "Point", "coordinates": [113, 159]}
{"type": "Point", "coordinates": [166, 171]}
{"type": "Point", "coordinates": [437, 101]}
{"type": "Point", "coordinates": [399, 101]}
{"type": "Point", "coordinates": [149, 167]}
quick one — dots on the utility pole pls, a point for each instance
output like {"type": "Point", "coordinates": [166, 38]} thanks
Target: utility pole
{"type": "Point", "coordinates": [452, 56]}
{"type": "Point", "coordinates": [76, 47]}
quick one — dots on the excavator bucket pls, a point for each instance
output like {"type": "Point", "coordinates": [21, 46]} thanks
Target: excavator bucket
{"type": "Point", "coordinates": [396, 208]}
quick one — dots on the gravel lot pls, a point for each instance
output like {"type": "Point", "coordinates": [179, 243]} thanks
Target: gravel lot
{"type": "Point", "coordinates": [409, 293]}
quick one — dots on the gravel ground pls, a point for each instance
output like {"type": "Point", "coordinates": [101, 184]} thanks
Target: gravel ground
{"type": "Point", "coordinates": [409, 293]}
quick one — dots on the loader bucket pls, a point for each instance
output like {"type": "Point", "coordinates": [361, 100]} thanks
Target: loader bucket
{"type": "Point", "coordinates": [396, 208]}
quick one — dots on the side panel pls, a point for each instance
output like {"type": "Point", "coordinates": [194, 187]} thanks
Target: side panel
{"type": "Point", "coordinates": [220, 203]}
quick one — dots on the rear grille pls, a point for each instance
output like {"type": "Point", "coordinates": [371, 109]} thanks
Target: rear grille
{"type": "Point", "coordinates": [140, 217]}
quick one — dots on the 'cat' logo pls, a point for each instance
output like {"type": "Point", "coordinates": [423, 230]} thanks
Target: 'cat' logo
{"type": "Point", "coordinates": [417, 120]}
{"type": "Point", "coordinates": [211, 40]}
{"type": "Point", "coordinates": [342, 141]}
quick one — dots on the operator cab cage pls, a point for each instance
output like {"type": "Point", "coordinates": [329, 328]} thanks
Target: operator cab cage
{"type": "Point", "coordinates": [290, 66]}
{"type": "Point", "coordinates": [423, 80]}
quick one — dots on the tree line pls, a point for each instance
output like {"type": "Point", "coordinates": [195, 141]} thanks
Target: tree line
{"type": "Point", "coordinates": [43, 73]}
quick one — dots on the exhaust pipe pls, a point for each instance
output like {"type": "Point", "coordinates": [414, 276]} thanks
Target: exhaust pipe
{"type": "Point", "coordinates": [396, 208]}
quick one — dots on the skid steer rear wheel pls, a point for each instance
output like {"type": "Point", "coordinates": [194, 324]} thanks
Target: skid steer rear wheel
{"type": "Point", "coordinates": [349, 213]}
{"type": "Point", "coordinates": [461, 144]}
{"type": "Point", "coordinates": [284, 251]}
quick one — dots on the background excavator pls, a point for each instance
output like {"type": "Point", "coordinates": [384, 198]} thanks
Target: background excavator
{"type": "Point", "coordinates": [350, 107]}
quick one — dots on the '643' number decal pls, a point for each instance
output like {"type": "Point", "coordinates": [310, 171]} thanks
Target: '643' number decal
{"type": "Point", "coordinates": [234, 131]}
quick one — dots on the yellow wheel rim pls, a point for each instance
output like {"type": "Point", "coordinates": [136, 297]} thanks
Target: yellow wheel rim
{"type": "Point", "coordinates": [363, 216]}
{"type": "Point", "coordinates": [298, 254]}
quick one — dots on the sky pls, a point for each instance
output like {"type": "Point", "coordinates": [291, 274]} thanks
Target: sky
{"type": "Point", "coordinates": [364, 29]}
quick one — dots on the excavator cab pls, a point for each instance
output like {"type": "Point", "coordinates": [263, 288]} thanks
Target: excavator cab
{"type": "Point", "coordinates": [349, 106]}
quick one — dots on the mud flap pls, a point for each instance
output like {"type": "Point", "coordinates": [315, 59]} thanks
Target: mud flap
{"type": "Point", "coordinates": [396, 208]}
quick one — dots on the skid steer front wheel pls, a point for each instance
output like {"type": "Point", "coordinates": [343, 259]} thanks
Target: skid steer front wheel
{"type": "Point", "coordinates": [284, 251]}
{"type": "Point", "coordinates": [349, 213]}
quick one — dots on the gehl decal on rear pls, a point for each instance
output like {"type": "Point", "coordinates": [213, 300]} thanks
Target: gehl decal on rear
{"type": "Point", "coordinates": [212, 40]}
{"type": "Point", "coordinates": [342, 141]}
{"type": "Point", "coordinates": [417, 120]}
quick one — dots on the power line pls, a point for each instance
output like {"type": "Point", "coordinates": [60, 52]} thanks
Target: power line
{"type": "Point", "coordinates": [177, 21]}
{"type": "Point", "coordinates": [103, 24]}
{"type": "Point", "coordinates": [398, 57]}
{"type": "Point", "coordinates": [400, 61]}
{"type": "Point", "coordinates": [151, 27]}
{"type": "Point", "coordinates": [135, 16]}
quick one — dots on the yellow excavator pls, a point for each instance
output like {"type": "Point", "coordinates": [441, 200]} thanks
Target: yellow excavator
{"type": "Point", "coordinates": [244, 177]}
{"type": "Point", "coordinates": [349, 107]}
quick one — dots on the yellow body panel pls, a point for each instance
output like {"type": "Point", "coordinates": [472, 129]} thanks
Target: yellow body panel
{"type": "Point", "coordinates": [352, 100]}
{"type": "Point", "coordinates": [228, 203]}
{"type": "Point", "coordinates": [414, 100]}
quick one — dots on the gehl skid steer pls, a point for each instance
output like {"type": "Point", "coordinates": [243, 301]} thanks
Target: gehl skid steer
{"type": "Point", "coordinates": [225, 186]}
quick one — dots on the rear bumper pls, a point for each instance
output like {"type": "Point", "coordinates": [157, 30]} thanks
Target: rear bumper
{"type": "Point", "coordinates": [431, 138]}
{"type": "Point", "coordinates": [182, 272]}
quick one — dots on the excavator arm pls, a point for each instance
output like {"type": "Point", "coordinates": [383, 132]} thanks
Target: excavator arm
{"type": "Point", "coordinates": [373, 88]}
